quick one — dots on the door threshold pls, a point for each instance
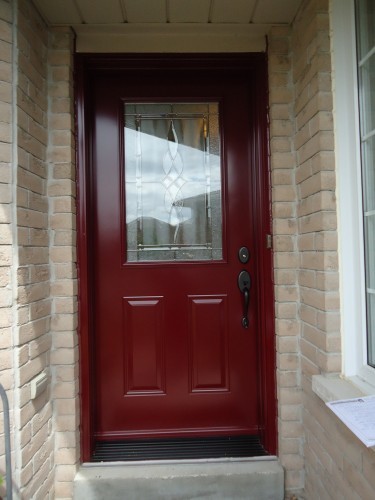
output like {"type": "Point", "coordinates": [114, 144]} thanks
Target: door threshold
{"type": "Point", "coordinates": [178, 448]}
{"type": "Point", "coordinates": [182, 461]}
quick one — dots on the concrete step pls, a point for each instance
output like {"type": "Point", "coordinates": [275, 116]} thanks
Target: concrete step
{"type": "Point", "coordinates": [258, 479]}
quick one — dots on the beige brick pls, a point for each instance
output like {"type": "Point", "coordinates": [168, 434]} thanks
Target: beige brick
{"type": "Point", "coordinates": [286, 293]}
{"type": "Point", "coordinates": [357, 481]}
{"type": "Point", "coordinates": [287, 327]}
{"type": "Point", "coordinates": [38, 237]}
{"type": "Point", "coordinates": [66, 440]}
{"type": "Point", "coordinates": [60, 138]}
{"type": "Point", "coordinates": [39, 346]}
{"type": "Point", "coordinates": [282, 177]}
{"type": "Point", "coordinates": [65, 238]}
{"type": "Point", "coordinates": [283, 210]}
{"type": "Point", "coordinates": [5, 173]}
{"type": "Point", "coordinates": [33, 330]}
{"type": "Point", "coordinates": [65, 390]}
{"type": "Point", "coordinates": [66, 456]}
{"type": "Point", "coordinates": [286, 310]}
{"type": "Point", "coordinates": [66, 271]}
{"type": "Point", "coordinates": [61, 121]}
{"type": "Point", "coordinates": [31, 218]}
{"type": "Point", "coordinates": [283, 193]}
{"type": "Point", "coordinates": [287, 344]}
{"type": "Point", "coordinates": [27, 473]}
{"type": "Point", "coordinates": [288, 361]}
{"type": "Point", "coordinates": [33, 293]}
{"type": "Point", "coordinates": [281, 95]}
{"type": "Point", "coordinates": [61, 105]}
{"type": "Point", "coordinates": [64, 489]}
{"type": "Point", "coordinates": [66, 423]}
{"type": "Point", "coordinates": [281, 144]}
{"type": "Point", "coordinates": [31, 369]}
{"type": "Point", "coordinates": [64, 356]}
{"type": "Point", "coordinates": [319, 221]}
{"type": "Point", "coordinates": [284, 243]}
{"type": "Point", "coordinates": [307, 278]}
{"type": "Point", "coordinates": [281, 159]}
{"type": "Point", "coordinates": [286, 260]}
{"type": "Point", "coordinates": [5, 338]}
{"type": "Point", "coordinates": [322, 141]}
{"type": "Point", "coordinates": [65, 305]}
{"type": "Point", "coordinates": [64, 340]}
{"type": "Point", "coordinates": [329, 362]}
{"type": "Point", "coordinates": [285, 277]}
{"type": "Point", "coordinates": [39, 273]}
{"type": "Point", "coordinates": [22, 355]}
{"type": "Point", "coordinates": [6, 72]}
{"type": "Point", "coordinates": [279, 111]}
{"type": "Point", "coordinates": [5, 131]}
{"type": "Point", "coordinates": [65, 204]}
{"type": "Point", "coordinates": [5, 152]}
{"type": "Point", "coordinates": [323, 200]}
{"type": "Point", "coordinates": [328, 281]}
{"type": "Point", "coordinates": [66, 373]}
{"type": "Point", "coordinates": [34, 445]}
{"type": "Point", "coordinates": [67, 407]}
{"type": "Point", "coordinates": [289, 446]}
{"type": "Point", "coordinates": [292, 462]}
{"type": "Point", "coordinates": [63, 221]}
{"type": "Point", "coordinates": [41, 483]}
{"type": "Point", "coordinates": [65, 473]}
{"type": "Point", "coordinates": [328, 321]}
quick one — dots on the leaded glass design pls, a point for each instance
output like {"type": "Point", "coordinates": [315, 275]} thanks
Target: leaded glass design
{"type": "Point", "coordinates": [172, 182]}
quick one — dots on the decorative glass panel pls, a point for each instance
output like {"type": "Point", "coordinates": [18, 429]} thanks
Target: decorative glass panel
{"type": "Point", "coordinates": [173, 182]}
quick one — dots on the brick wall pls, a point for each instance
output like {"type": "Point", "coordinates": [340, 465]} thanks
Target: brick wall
{"type": "Point", "coordinates": [6, 226]}
{"type": "Point", "coordinates": [304, 211]}
{"type": "Point", "coordinates": [37, 250]}
{"type": "Point", "coordinates": [315, 448]}
{"type": "Point", "coordinates": [61, 191]}
{"type": "Point", "coordinates": [286, 258]}
{"type": "Point", "coordinates": [34, 441]}
{"type": "Point", "coordinates": [337, 464]}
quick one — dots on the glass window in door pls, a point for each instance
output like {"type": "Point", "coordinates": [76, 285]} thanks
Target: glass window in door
{"type": "Point", "coordinates": [173, 182]}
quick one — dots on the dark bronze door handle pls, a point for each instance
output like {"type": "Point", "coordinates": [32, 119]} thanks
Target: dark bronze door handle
{"type": "Point", "coordinates": [244, 284]}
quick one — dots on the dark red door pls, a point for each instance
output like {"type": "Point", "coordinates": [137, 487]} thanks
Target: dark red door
{"type": "Point", "coordinates": [173, 201]}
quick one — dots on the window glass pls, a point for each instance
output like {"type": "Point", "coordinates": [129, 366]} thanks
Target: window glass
{"type": "Point", "coordinates": [365, 18]}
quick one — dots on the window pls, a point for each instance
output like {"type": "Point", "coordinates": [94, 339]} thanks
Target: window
{"type": "Point", "coordinates": [365, 29]}
{"type": "Point", "coordinates": [354, 118]}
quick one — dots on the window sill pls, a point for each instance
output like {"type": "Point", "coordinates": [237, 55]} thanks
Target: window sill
{"type": "Point", "coordinates": [338, 387]}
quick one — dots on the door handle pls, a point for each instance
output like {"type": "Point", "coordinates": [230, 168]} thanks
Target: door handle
{"type": "Point", "coordinates": [244, 284]}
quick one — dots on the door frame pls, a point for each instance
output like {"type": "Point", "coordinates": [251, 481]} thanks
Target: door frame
{"type": "Point", "coordinates": [250, 64]}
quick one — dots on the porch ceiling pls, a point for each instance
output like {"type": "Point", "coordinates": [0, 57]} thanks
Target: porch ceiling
{"type": "Point", "coordinates": [79, 12]}
{"type": "Point", "coordinates": [169, 25]}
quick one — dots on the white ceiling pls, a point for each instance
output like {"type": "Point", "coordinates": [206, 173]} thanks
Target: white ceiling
{"type": "Point", "coordinates": [77, 12]}
{"type": "Point", "coordinates": [169, 25]}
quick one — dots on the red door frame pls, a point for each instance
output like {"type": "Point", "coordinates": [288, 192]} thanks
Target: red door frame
{"type": "Point", "coordinates": [253, 65]}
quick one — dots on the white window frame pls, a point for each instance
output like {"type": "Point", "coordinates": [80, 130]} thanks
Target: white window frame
{"type": "Point", "coordinates": [349, 195]}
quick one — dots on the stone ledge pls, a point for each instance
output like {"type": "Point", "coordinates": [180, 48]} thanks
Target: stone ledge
{"type": "Point", "coordinates": [337, 387]}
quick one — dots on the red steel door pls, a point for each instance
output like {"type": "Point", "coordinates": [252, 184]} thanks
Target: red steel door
{"type": "Point", "coordinates": [173, 203]}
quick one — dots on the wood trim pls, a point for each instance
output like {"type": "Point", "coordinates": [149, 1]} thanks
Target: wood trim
{"type": "Point", "coordinates": [85, 66]}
